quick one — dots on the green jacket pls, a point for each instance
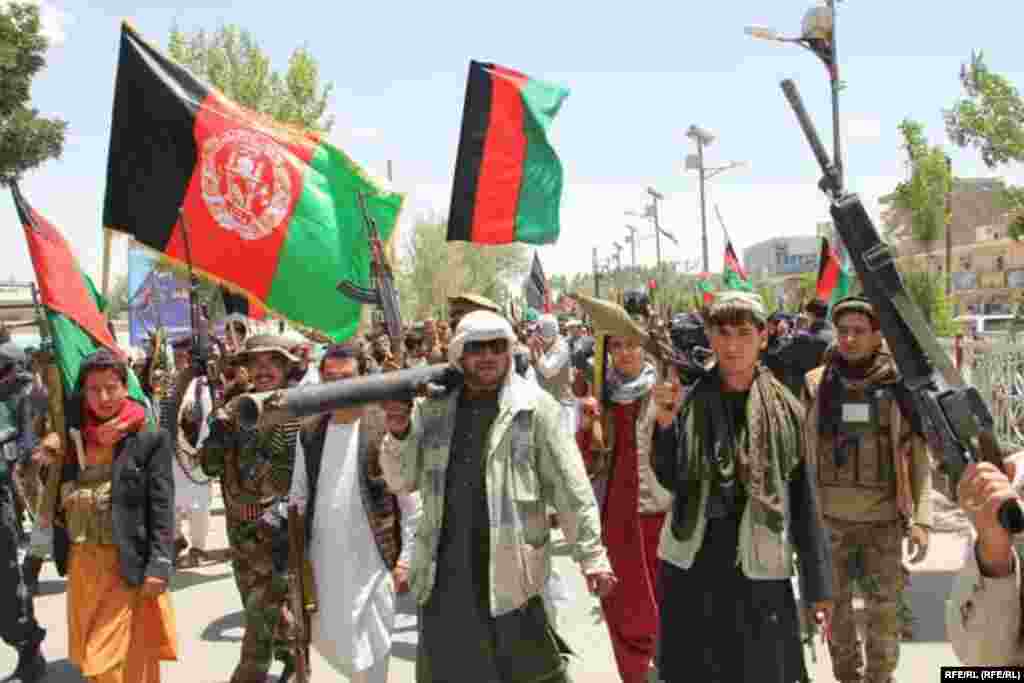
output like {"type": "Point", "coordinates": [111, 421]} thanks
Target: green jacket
{"type": "Point", "coordinates": [523, 478]}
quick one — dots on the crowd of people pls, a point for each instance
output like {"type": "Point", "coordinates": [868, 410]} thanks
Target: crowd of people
{"type": "Point", "coordinates": [686, 499]}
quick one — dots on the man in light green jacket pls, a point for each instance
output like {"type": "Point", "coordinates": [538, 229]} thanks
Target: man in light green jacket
{"type": "Point", "coordinates": [487, 460]}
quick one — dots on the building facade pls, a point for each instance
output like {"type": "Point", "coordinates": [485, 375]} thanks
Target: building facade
{"type": "Point", "coordinates": [782, 256]}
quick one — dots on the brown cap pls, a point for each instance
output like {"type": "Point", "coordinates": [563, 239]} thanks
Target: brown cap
{"type": "Point", "coordinates": [473, 302]}
{"type": "Point", "coordinates": [268, 343]}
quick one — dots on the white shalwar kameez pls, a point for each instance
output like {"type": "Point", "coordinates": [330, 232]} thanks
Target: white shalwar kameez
{"type": "Point", "coordinates": [355, 591]}
{"type": "Point", "coordinates": [192, 488]}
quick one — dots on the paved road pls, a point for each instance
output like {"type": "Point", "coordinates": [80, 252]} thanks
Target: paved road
{"type": "Point", "coordinates": [210, 625]}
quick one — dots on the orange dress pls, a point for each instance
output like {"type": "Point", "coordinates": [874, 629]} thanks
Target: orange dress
{"type": "Point", "coordinates": [114, 635]}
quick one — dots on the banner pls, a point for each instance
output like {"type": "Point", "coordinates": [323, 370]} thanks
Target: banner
{"type": "Point", "coordinates": [155, 299]}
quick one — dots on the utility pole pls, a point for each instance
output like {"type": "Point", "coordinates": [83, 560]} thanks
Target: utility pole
{"type": "Point", "coordinates": [703, 207]}
{"type": "Point", "coordinates": [949, 227]}
{"type": "Point", "coordinates": [631, 238]}
{"type": "Point", "coordinates": [597, 276]}
{"type": "Point", "coordinates": [655, 196]}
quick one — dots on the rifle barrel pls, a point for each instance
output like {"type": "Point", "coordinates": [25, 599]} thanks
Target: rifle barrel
{"type": "Point", "coordinates": [789, 89]}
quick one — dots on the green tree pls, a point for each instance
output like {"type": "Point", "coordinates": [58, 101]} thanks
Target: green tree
{"type": "Point", "coordinates": [928, 290]}
{"type": "Point", "coordinates": [990, 118]}
{"type": "Point", "coordinates": [431, 269]}
{"type": "Point", "coordinates": [923, 196]}
{"type": "Point", "coordinates": [26, 138]}
{"type": "Point", "coordinates": [232, 61]}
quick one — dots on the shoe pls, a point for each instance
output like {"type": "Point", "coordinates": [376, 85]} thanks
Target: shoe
{"type": "Point", "coordinates": [31, 666]}
{"type": "Point", "coordinates": [30, 569]}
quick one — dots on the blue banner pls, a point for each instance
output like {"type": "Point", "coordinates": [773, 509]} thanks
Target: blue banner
{"type": "Point", "coordinates": [156, 299]}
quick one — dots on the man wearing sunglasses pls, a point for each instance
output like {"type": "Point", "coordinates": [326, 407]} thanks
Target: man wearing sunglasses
{"type": "Point", "coordinates": [487, 460]}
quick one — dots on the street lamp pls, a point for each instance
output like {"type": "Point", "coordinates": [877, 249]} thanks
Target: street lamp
{"type": "Point", "coordinates": [817, 34]}
{"type": "Point", "coordinates": [695, 162]}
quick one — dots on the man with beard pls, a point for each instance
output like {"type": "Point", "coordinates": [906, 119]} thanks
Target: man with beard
{"type": "Point", "coordinates": [874, 479]}
{"type": "Point", "coordinates": [255, 467]}
{"type": "Point", "coordinates": [18, 625]}
{"type": "Point", "coordinates": [487, 459]}
{"type": "Point", "coordinates": [745, 502]}
{"type": "Point", "coordinates": [360, 535]}
{"type": "Point", "coordinates": [634, 502]}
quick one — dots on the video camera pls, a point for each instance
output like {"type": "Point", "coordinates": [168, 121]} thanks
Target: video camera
{"type": "Point", "coordinates": [690, 340]}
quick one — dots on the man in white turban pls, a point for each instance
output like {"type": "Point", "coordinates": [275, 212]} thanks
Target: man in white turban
{"type": "Point", "coordinates": [487, 460]}
{"type": "Point", "coordinates": [549, 353]}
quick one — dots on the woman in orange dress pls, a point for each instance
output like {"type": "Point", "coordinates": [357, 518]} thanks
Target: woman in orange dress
{"type": "Point", "coordinates": [115, 531]}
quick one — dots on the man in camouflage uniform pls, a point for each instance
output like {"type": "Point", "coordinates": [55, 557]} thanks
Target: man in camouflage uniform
{"type": "Point", "coordinates": [18, 625]}
{"type": "Point", "coordinates": [874, 479]}
{"type": "Point", "coordinates": [255, 466]}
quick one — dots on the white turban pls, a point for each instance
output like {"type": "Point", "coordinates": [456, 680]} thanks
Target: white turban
{"type": "Point", "coordinates": [479, 326]}
{"type": "Point", "coordinates": [548, 326]}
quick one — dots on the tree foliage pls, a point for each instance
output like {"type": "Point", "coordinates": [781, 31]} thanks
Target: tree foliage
{"type": "Point", "coordinates": [924, 194]}
{"type": "Point", "coordinates": [990, 116]}
{"type": "Point", "coordinates": [928, 290]}
{"type": "Point", "coordinates": [26, 138]}
{"type": "Point", "coordinates": [431, 269]}
{"type": "Point", "coordinates": [231, 60]}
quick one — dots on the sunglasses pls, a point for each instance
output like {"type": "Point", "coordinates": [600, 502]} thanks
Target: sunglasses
{"type": "Point", "coordinates": [496, 346]}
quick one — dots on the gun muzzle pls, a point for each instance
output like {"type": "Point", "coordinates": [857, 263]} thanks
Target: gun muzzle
{"type": "Point", "coordinates": [260, 410]}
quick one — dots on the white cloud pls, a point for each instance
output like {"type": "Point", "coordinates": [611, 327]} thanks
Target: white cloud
{"type": "Point", "coordinates": [863, 129]}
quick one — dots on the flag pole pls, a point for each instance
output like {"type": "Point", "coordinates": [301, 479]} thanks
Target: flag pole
{"type": "Point", "coordinates": [107, 239]}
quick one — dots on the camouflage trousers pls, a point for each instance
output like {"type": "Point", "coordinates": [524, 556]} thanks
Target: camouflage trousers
{"type": "Point", "coordinates": [870, 553]}
{"type": "Point", "coordinates": [18, 625]}
{"type": "Point", "coordinates": [269, 627]}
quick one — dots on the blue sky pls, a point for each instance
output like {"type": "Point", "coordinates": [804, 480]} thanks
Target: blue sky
{"type": "Point", "coordinates": [639, 73]}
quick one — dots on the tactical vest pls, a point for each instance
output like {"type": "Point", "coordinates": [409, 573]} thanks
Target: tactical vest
{"type": "Point", "coordinates": [869, 461]}
{"type": "Point", "coordinates": [9, 432]}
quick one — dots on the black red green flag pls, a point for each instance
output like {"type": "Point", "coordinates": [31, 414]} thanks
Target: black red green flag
{"type": "Point", "coordinates": [704, 287]}
{"type": "Point", "coordinates": [508, 178]}
{"type": "Point", "coordinates": [828, 271]}
{"type": "Point", "coordinates": [734, 277]}
{"type": "Point", "coordinates": [272, 210]}
{"type": "Point", "coordinates": [73, 306]}
{"type": "Point", "coordinates": [536, 287]}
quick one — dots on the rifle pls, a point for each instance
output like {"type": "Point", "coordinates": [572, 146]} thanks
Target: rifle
{"type": "Point", "coordinates": [382, 292]}
{"type": "Point", "coordinates": [55, 408]}
{"type": "Point", "coordinates": [949, 413]}
{"type": "Point", "coordinates": [203, 364]}
{"type": "Point", "coordinates": [301, 590]}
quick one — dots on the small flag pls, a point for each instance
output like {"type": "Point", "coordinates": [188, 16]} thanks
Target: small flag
{"type": "Point", "coordinates": [536, 287]}
{"type": "Point", "coordinates": [704, 286]}
{"type": "Point", "coordinates": [828, 271]}
{"type": "Point", "coordinates": [734, 277]}
{"type": "Point", "coordinates": [508, 178]}
{"type": "Point", "coordinates": [69, 298]}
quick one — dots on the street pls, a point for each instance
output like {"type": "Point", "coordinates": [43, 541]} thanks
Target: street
{"type": "Point", "coordinates": [210, 624]}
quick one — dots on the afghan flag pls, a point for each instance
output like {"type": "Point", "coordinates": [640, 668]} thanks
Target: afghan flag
{"type": "Point", "coordinates": [734, 277]}
{"type": "Point", "coordinates": [73, 306]}
{"type": "Point", "coordinates": [829, 269]}
{"type": "Point", "coordinates": [704, 287]}
{"type": "Point", "coordinates": [272, 211]}
{"type": "Point", "coordinates": [508, 179]}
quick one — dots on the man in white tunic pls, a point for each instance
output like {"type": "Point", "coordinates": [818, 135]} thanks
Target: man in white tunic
{"type": "Point", "coordinates": [550, 356]}
{"type": "Point", "coordinates": [191, 486]}
{"type": "Point", "coordinates": [359, 551]}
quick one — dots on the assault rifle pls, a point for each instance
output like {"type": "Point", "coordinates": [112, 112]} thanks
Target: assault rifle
{"type": "Point", "coordinates": [949, 413]}
{"type": "Point", "coordinates": [382, 291]}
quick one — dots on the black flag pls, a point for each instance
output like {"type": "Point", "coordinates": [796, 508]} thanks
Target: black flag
{"type": "Point", "coordinates": [536, 287]}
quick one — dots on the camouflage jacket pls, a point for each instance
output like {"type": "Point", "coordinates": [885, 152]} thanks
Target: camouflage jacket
{"type": "Point", "coordinates": [255, 467]}
{"type": "Point", "coordinates": [531, 462]}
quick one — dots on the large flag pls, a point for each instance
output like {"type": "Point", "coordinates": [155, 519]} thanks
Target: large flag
{"type": "Point", "coordinates": [272, 210]}
{"type": "Point", "coordinates": [536, 287]}
{"type": "Point", "coordinates": [73, 306]}
{"type": "Point", "coordinates": [508, 179]}
{"type": "Point", "coordinates": [734, 277]}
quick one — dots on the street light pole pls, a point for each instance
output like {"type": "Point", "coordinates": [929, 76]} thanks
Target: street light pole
{"type": "Point", "coordinates": [655, 196]}
{"type": "Point", "coordinates": [837, 154]}
{"type": "Point", "coordinates": [631, 238]}
{"type": "Point", "coordinates": [703, 208]}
